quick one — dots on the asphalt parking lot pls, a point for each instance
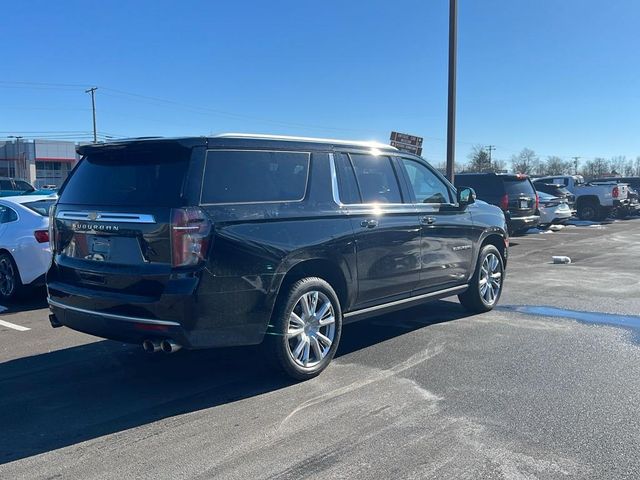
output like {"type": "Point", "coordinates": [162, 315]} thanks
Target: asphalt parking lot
{"type": "Point", "coordinates": [521, 392]}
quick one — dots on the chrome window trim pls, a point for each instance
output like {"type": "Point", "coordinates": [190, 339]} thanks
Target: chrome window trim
{"type": "Point", "coordinates": [105, 216]}
{"type": "Point", "coordinates": [113, 316]}
{"type": "Point", "coordinates": [261, 202]}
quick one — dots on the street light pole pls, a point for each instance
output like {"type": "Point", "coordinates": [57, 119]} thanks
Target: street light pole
{"type": "Point", "coordinates": [451, 116]}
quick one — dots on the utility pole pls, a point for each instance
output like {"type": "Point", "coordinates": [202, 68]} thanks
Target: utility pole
{"type": "Point", "coordinates": [490, 148]}
{"type": "Point", "coordinates": [451, 116]}
{"type": "Point", "coordinates": [92, 90]}
{"type": "Point", "coordinates": [575, 164]}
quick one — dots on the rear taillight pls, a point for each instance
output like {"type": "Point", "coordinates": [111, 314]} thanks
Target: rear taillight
{"type": "Point", "coordinates": [504, 202]}
{"type": "Point", "coordinates": [615, 192]}
{"type": "Point", "coordinates": [42, 236]}
{"type": "Point", "coordinates": [190, 229]}
{"type": "Point", "coordinates": [537, 201]}
{"type": "Point", "coordinates": [52, 224]}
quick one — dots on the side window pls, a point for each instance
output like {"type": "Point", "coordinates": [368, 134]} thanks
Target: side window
{"type": "Point", "coordinates": [243, 176]}
{"type": "Point", "coordinates": [427, 187]}
{"type": "Point", "coordinates": [347, 185]}
{"type": "Point", "coordinates": [23, 186]}
{"type": "Point", "coordinates": [7, 215]}
{"type": "Point", "coordinates": [6, 185]}
{"type": "Point", "coordinates": [376, 179]}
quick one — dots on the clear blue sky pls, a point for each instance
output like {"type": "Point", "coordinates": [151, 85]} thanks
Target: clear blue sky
{"type": "Point", "coordinates": [558, 76]}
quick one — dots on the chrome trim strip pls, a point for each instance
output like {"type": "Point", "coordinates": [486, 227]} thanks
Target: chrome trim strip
{"type": "Point", "coordinates": [106, 216]}
{"type": "Point", "coordinates": [334, 180]}
{"type": "Point", "coordinates": [406, 300]}
{"type": "Point", "coordinates": [114, 316]}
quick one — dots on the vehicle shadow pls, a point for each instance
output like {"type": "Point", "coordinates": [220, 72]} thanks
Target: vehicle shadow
{"type": "Point", "coordinates": [33, 298]}
{"type": "Point", "coordinates": [53, 400]}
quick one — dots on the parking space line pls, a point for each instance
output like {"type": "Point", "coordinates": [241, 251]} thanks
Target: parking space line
{"type": "Point", "coordinates": [14, 326]}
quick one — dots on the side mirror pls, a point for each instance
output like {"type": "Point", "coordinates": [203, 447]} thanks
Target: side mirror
{"type": "Point", "coordinates": [466, 196]}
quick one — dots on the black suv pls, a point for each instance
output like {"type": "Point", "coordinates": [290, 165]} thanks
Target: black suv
{"type": "Point", "coordinates": [240, 240]}
{"type": "Point", "coordinates": [513, 193]}
{"type": "Point", "coordinates": [558, 191]}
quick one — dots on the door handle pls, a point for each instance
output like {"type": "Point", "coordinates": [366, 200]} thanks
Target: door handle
{"type": "Point", "coordinates": [370, 223]}
{"type": "Point", "coordinates": [428, 220]}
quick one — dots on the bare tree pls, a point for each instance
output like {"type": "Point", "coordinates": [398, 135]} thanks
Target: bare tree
{"type": "Point", "coordinates": [556, 166]}
{"type": "Point", "coordinates": [595, 168]}
{"type": "Point", "coordinates": [617, 164]}
{"type": "Point", "coordinates": [479, 160]}
{"type": "Point", "coordinates": [525, 162]}
{"type": "Point", "coordinates": [499, 166]}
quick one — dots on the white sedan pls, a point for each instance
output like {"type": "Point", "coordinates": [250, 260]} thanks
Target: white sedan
{"type": "Point", "coordinates": [25, 253]}
{"type": "Point", "coordinates": [553, 210]}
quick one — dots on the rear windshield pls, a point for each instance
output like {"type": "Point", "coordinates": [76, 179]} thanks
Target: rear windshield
{"type": "Point", "coordinates": [517, 187]}
{"type": "Point", "coordinates": [129, 177]}
{"type": "Point", "coordinates": [484, 185]}
{"type": "Point", "coordinates": [41, 206]}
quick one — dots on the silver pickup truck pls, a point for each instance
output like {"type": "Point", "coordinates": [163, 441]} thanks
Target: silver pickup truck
{"type": "Point", "coordinates": [594, 200]}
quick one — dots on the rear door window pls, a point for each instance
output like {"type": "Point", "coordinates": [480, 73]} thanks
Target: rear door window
{"type": "Point", "coordinates": [347, 185]}
{"type": "Point", "coordinates": [376, 178]}
{"type": "Point", "coordinates": [519, 187]}
{"type": "Point", "coordinates": [6, 185]}
{"type": "Point", "coordinates": [151, 176]}
{"type": "Point", "coordinates": [243, 176]}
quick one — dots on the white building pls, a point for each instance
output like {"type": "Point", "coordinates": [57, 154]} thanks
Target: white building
{"type": "Point", "coordinates": [40, 162]}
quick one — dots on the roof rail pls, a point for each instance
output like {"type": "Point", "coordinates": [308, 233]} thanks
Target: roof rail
{"type": "Point", "coordinates": [260, 136]}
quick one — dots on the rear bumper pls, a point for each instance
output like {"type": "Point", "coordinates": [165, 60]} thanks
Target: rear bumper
{"type": "Point", "coordinates": [129, 329]}
{"type": "Point", "coordinates": [521, 223]}
{"type": "Point", "coordinates": [194, 314]}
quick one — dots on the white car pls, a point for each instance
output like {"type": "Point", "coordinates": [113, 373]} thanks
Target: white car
{"type": "Point", "coordinates": [553, 210]}
{"type": "Point", "coordinates": [25, 253]}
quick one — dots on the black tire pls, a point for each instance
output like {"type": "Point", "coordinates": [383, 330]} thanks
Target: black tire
{"type": "Point", "coordinates": [281, 346]}
{"type": "Point", "coordinates": [10, 283]}
{"type": "Point", "coordinates": [473, 299]}
{"type": "Point", "coordinates": [589, 211]}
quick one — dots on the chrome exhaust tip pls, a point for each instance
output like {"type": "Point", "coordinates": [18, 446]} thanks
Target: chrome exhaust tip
{"type": "Point", "coordinates": [151, 346]}
{"type": "Point", "coordinates": [169, 346]}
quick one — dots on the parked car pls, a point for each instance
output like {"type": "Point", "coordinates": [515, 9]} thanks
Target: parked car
{"type": "Point", "coordinates": [553, 210]}
{"type": "Point", "coordinates": [513, 193]}
{"type": "Point", "coordinates": [238, 240]}
{"type": "Point", "coordinates": [633, 207]}
{"type": "Point", "coordinates": [594, 201]}
{"type": "Point", "coordinates": [25, 254]}
{"type": "Point", "coordinates": [556, 190]}
{"type": "Point", "coordinates": [13, 187]}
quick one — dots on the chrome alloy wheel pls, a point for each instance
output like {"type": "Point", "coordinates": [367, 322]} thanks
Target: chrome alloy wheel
{"type": "Point", "coordinates": [7, 277]}
{"type": "Point", "coordinates": [490, 279]}
{"type": "Point", "coordinates": [311, 329]}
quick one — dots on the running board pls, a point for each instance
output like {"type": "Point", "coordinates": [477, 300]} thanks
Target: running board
{"type": "Point", "coordinates": [404, 303]}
